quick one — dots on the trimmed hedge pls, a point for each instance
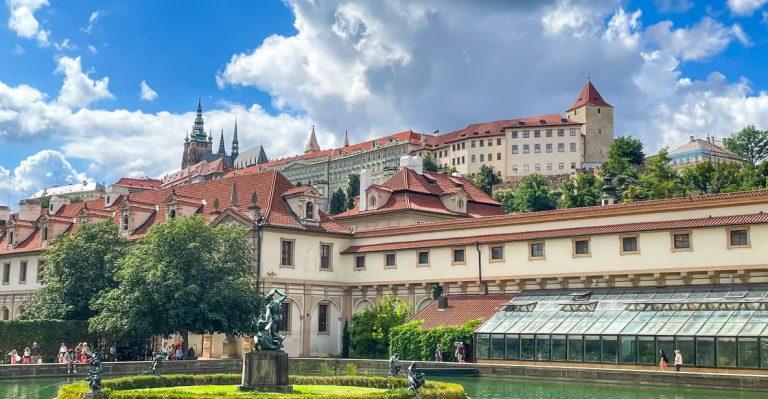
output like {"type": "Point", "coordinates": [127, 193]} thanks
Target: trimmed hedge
{"type": "Point", "coordinates": [49, 334]}
{"type": "Point", "coordinates": [124, 388]}
{"type": "Point", "coordinates": [410, 341]}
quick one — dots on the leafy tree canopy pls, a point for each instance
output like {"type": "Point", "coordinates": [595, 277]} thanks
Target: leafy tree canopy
{"type": "Point", "coordinates": [750, 143]}
{"type": "Point", "coordinates": [428, 164]}
{"type": "Point", "coordinates": [629, 148]}
{"type": "Point", "coordinates": [507, 198]}
{"type": "Point", "coordinates": [585, 190]}
{"type": "Point", "coordinates": [660, 179]}
{"type": "Point", "coordinates": [353, 189]}
{"type": "Point", "coordinates": [77, 268]}
{"type": "Point", "coordinates": [533, 194]}
{"type": "Point", "coordinates": [485, 179]}
{"type": "Point", "coordinates": [338, 202]}
{"type": "Point", "coordinates": [370, 328]}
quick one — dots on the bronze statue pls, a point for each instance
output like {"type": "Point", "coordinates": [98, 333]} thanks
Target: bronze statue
{"type": "Point", "coordinates": [394, 366]}
{"type": "Point", "coordinates": [270, 324]}
{"type": "Point", "coordinates": [94, 373]}
{"type": "Point", "coordinates": [415, 378]}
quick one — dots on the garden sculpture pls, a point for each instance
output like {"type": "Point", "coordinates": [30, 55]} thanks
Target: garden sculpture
{"type": "Point", "coordinates": [437, 291]}
{"type": "Point", "coordinates": [394, 366]}
{"type": "Point", "coordinates": [94, 373]}
{"type": "Point", "coordinates": [269, 325]}
{"type": "Point", "coordinates": [415, 378]}
{"type": "Point", "coordinates": [155, 367]}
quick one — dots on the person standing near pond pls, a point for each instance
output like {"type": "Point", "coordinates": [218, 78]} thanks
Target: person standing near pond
{"type": "Point", "coordinates": [439, 353]}
{"type": "Point", "coordinates": [62, 352]}
{"type": "Point", "coordinates": [678, 360]}
{"type": "Point", "coordinates": [35, 353]}
{"type": "Point", "coordinates": [461, 352]}
{"type": "Point", "coordinates": [69, 359]}
{"type": "Point", "coordinates": [663, 361]}
{"type": "Point", "coordinates": [27, 356]}
{"type": "Point", "coordinates": [14, 356]}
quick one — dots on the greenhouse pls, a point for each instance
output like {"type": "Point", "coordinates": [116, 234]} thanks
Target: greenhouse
{"type": "Point", "coordinates": [712, 326]}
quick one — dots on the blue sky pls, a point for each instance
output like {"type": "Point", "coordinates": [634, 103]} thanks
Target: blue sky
{"type": "Point", "coordinates": [71, 73]}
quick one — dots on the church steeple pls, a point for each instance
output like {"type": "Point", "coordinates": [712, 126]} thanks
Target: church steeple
{"type": "Point", "coordinates": [312, 145]}
{"type": "Point", "coordinates": [198, 129]}
{"type": "Point", "coordinates": [235, 143]}
{"type": "Point", "coordinates": [346, 138]}
{"type": "Point", "coordinates": [222, 151]}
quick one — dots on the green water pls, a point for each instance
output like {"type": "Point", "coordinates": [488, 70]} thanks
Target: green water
{"type": "Point", "coordinates": [477, 388]}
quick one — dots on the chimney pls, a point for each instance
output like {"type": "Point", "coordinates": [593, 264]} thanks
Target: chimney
{"type": "Point", "coordinates": [692, 139]}
{"type": "Point", "coordinates": [5, 214]}
{"type": "Point", "coordinates": [254, 211]}
{"type": "Point", "coordinates": [412, 162]}
{"type": "Point", "coordinates": [30, 209]}
{"type": "Point", "coordinates": [365, 182]}
{"type": "Point", "coordinates": [55, 203]}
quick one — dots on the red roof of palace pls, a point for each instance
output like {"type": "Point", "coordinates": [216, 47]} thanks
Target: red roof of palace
{"type": "Point", "coordinates": [141, 183]}
{"type": "Point", "coordinates": [202, 168]}
{"type": "Point", "coordinates": [589, 96]}
{"type": "Point", "coordinates": [461, 309]}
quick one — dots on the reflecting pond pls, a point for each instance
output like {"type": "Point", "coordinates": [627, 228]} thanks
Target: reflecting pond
{"type": "Point", "coordinates": [477, 388]}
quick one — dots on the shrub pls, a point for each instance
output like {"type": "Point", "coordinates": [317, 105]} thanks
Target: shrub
{"type": "Point", "coordinates": [410, 341]}
{"type": "Point", "coordinates": [351, 369]}
{"type": "Point", "coordinates": [49, 334]}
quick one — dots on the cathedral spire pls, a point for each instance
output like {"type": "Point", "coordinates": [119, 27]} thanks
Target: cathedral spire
{"type": "Point", "coordinates": [346, 138]}
{"type": "Point", "coordinates": [222, 151]}
{"type": "Point", "coordinates": [312, 145]}
{"type": "Point", "coordinates": [198, 129]}
{"type": "Point", "coordinates": [235, 143]}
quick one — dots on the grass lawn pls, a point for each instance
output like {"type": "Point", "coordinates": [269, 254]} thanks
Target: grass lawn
{"type": "Point", "coordinates": [298, 391]}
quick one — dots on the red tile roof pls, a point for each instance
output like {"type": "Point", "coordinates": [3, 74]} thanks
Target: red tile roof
{"type": "Point", "coordinates": [735, 220]}
{"type": "Point", "coordinates": [461, 309]}
{"type": "Point", "coordinates": [202, 168]}
{"type": "Point", "coordinates": [141, 183]}
{"type": "Point", "coordinates": [589, 96]}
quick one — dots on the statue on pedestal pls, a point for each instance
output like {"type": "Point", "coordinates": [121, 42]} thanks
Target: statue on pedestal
{"type": "Point", "coordinates": [265, 368]}
{"type": "Point", "coordinates": [394, 366]}
{"type": "Point", "coordinates": [94, 373]}
{"type": "Point", "coordinates": [415, 378]}
{"type": "Point", "coordinates": [269, 325]}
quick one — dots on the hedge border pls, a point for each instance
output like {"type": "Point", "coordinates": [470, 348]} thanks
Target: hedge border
{"type": "Point", "coordinates": [119, 388]}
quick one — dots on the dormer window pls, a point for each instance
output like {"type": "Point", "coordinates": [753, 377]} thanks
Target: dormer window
{"type": "Point", "coordinates": [45, 234]}
{"type": "Point", "coordinates": [372, 201]}
{"type": "Point", "coordinates": [125, 223]}
{"type": "Point", "coordinates": [172, 214]}
{"type": "Point", "coordinates": [10, 237]}
{"type": "Point", "coordinates": [460, 204]}
{"type": "Point", "coordinates": [310, 210]}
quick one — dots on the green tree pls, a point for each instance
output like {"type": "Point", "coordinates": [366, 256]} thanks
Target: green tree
{"type": "Point", "coordinates": [533, 194]}
{"type": "Point", "coordinates": [338, 203]}
{"type": "Point", "coordinates": [78, 267]}
{"type": "Point", "coordinates": [428, 164]}
{"type": "Point", "coordinates": [353, 190]}
{"type": "Point", "coordinates": [183, 276]}
{"type": "Point", "coordinates": [660, 179]}
{"type": "Point", "coordinates": [346, 340]}
{"type": "Point", "coordinates": [507, 198]}
{"type": "Point", "coordinates": [628, 148]}
{"type": "Point", "coordinates": [370, 328]}
{"type": "Point", "coordinates": [584, 190]}
{"type": "Point", "coordinates": [750, 143]}
{"type": "Point", "coordinates": [619, 170]}
{"type": "Point", "coordinates": [485, 179]}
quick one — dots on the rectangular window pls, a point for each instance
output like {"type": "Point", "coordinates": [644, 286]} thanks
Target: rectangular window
{"type": "Point", "coordinates": [325, 256]}
{"type": "Point", "coordinates": [560, 147]}
{"type": "Point", "coordinates": [359, 262]}
{"type": "Point", "coordinates": [322, 318]}
{"type": "Point", "coordinates": [6, 273]}
{"type": "Point", "coordinates": [537, 148]}
{"type": "Point", "coordinates": [512, 347]}
{"type": "Point", "coordinates": [560, 132]}
{"type": "Point", "coordinates": [498, 142]}
{"type": "Point", "coordinates": [575, 348]}
{"type": "Point", "coordinates": [482, 143]}
{"type": "Point", "coordinates": [561, 166]}
{"type": "Point", "coordinates": [558, 347]}
{"type": "Point", "coordinates": [581, 247]}
{"type": "Point", "coordinates": [497, 346]}
{"type": "Point", "coordinates": [629, 245]}
{"type": "Point", "coordinates": [23, 272]}
{"type": "Point", "coordinates": [549, 147]}
{"type": "Point", "coordinates": [610, 349]}
{"type": "Point", "coordinates": [537, 133]}
{"type": "Point", "coordinates": [573, 147]}
{"type": "Point", "coordinates": [464, 145]}
{"type": "Point", "coordinates": [498, 156]}
{"type": "Point", "coordinates": [705, 352]}
{"type": "Point", "coordinates": [536, 250]}
{"type": "Point", "coordinates": [573, 132]}
{"type": "Point", "coordinates": [592, 349]}
{"type": "Point", "coordinates": [286, 252]}
{"type": "Point", "coordinates": [526, 149]}
{"type": "Point", "coordinates": [738, 238]}
{"type": "Point", "coordinates": [497, 253]}
{"type": "Point", "coordinates": [423, 258]}
{"type": "Point", "coordinates": [514, 148]}
{"type": "Point", "coordinates": [549, 132]}
{"type": "Point", "coordinates": [537, 167]}
{"type": "Point", "coordinates": [573, 165]}
{"type": "Point", "coordinates": [681, 241]}
{"type": "Point", "coordinates": [526, 167]}
{"type": "Point", "coordinates": [543, 347]}
{"type": "Point", "coordinates": [458, 256]}
{"type": "Point", "coordinates": [514, 135]}
{"type": "Point", "coordinates": [463, 160]}
{"type": "Point", "coordinates": [646, 350]}
{"type": "Point", "coordinates": [473, 144]}
{"type": "Point", "coordinates": [549, 166]}
{"type": "Point", "coordinates": [472, 159]}
{"type": "Point", "coordinates": [390, 260]}
{"type": "Point", "coordinates": [526, 134]}
{"type": "Point", "coordinates": [627, 350]}
{"type": "Point", "coordinates": [514, 168]}
{"type": "Point", "coordinates": [286, 326]}
{"type": "Point", "coordinates": [748, 353]}
{"type": "Point", "coordinates": [490, 157]}
{"type": "Point", "coordinates": [482, 157]}
{"type": "Point", "coordinates": [527, 347]}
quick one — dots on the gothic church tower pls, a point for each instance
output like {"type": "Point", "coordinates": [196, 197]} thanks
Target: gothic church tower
{"type": "Point", "coordinates": [197, 144]}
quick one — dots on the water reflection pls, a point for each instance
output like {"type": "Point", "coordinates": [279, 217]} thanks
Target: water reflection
{"type": "Point", "coordinates": [31, 388]}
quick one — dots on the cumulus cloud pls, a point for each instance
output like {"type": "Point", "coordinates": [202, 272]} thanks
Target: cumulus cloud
{"type": "Point", "coordinates": [23, 22]}
{"type": "Point", "coordinates": [44, 169]}
{"type": "Point", "coordinates": [147, 94]}
{"type": "Point", "coordinates": [745, 7]}
{"type": "Point", "coordinates": [92, 21]}
{"type": "Point", "coordinates": [78, 89]}
{"type": "Point", "coordinates": [698, 42]}
{"type": "Point", "coordinates": [65, 45]}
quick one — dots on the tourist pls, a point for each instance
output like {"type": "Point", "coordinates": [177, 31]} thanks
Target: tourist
{"type": "Point", "coordinates": [461, 352]}
{"type": "Point", "coordinates": [69, 358]}
{"type": "Point", "coordinates": [14, 356]}
{"type": "Point", "coordinates": [179, 351]}
{"type": "Point", "coordinates": [663, 361]}
{"type": "Point", "coordinates": [26, 359]}
{"type": "Point", "coordinates": [678, 360]}
{"type": "Point", "coordinates": [169, 352]}
{"type": "Point", "coordinates": [191, 355]}
{"type": "Point", "coordinates": [438, 353]}
{"type": "Point", "coordinates": [113, 353]}
{"type": "Point", "coordinates": [85, 352]}
{"type": "Point", "coordinates": [62, 352]}
{"type": "Point", "coordinates": [76, 353]}
{"type": "Point", "coordinates": [35, 353]}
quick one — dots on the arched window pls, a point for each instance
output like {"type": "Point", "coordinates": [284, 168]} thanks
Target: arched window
{"type": "Point", "coordinates": [172, 214]}
{"type": "Point", "coordinates": [125, 222]}
{"type": "Point", "coordinates": [10, 237]}
{"type": "Point", "coordinates": [460, 204]}
{"type": "Point", "coordinates": [372, 201]}
{"type": "Point", "coordinates": [5, 314]}
{"type": "Point", "coordinates": [310, 210]}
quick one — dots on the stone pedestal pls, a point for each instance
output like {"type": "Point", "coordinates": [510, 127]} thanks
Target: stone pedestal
{"type": "Point", "coordinates": [265, 371]}
{"type": "Point", "coordinates": [95, 395]}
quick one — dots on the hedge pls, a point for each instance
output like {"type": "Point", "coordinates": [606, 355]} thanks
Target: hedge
{"type": "Point", "coordinates": [120, 388]}
{"type": "Point", "coordinates": [410, 341]}
{"type": "Point", "coordinates": [49, 334]}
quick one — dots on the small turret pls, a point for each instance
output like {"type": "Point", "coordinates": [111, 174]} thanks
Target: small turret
{"type": "Point", "coordinates": [222, 151]}
{"type": "Point", "coordinates": [346, 138]}
{"type": "Point", "coordinates": [312, 145]}
{"type": "Point", "coordinates": [235, 143]}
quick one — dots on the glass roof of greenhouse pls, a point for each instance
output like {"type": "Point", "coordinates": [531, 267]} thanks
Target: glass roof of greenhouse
{"type": "Point", "coordinates": [711, 311]}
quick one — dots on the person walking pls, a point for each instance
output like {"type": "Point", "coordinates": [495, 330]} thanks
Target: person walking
{"type": "Point", "coordinates": [62, 352]}
{"type": "Point", "coordinates": [663, 361]}
{"type": "Point", "coordinates": [35, 353]}
{"type": "Point", "coordinates": [69, 358]}
{"type": "Point", "coordinates": [438, 353]}
{"type": "Point", "coordinates": [678, 360]}
{"type": "Point", "coordinates": [26, 359]}
{"type": "Point", "coordinates": [14, 356]}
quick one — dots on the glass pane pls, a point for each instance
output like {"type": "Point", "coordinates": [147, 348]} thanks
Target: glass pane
{"type": "Point", "coordinates": [481, 347]}
{"type": "Point", "coordinates": [592, 349]}
{"type": "Point", "coordinates": [686, 347]}
{"type": "Point", "coordinates": [726, 352]}
{"type": "Point", "coordinates": [585, 323]}
{"type": "Point", "coordinates": [627, 350]}
{"type": "Point", "coordinates": [558, 348]}
{"type": "Point", "coordinates": [763, 353]}
{"type": "Point", "coordinates": [497, 346]}
{"type": "Point", "coordinates": [620, 322]}
{"type": "Point", "coordinates": [752, 329]}
{"type": "Point", "coordinates": [748, 353]}
{"type": "Point", "coordinates": [666, 345]}
{"type": "Point", "coordinates": [705, 352]}
{"type": "Point", "coordinates": [542, 347]}
{"type": "Point", "coordinates": [527, 347]}
{"type": "Point", "coordinates": [521, 323]}
{"type": "Point", "coordinates": [553, 322]}
{"type": "Point", "coordinates": [571, 321]}
{"type": "Point", "coordinates": [575, 348]}
{"type": "Point", "coordinates": [710, 328]}
{"type": "Point", "coordinates": [646, 350]}
{"type": "Point", "coordinates": [512, 347]}
{"type": "Point", "coordinates": [610, 349]}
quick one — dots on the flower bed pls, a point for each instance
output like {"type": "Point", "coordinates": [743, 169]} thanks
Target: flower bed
{"type": "Point", "coordinates": [207, 386]}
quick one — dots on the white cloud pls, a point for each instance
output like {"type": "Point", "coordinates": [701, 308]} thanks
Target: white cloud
{"type": "Point", "coordinates": [92, 21]}
{"type": "Point", "coordinates": [79, 89]}
{"type": "Point", "coordinates": [44, 169]}
{"type": "Point", "coordinates": [740, 35]}
{"type": "Point", "coordinates": [568, 18]}
{"type": "Point", "coordinates": [92, 49]}
{"type": "Point", "coordinates": [745, 7]}
{"type": "Point", "coordinates": [624, 27]}
{"type": "Point", "coordinates": [674, 6]}
{"type": "Point", "coordinates": [147, 94]}
{"type": "Point", "coordinates": [65, 45]}
{"type": "Point", "coordinates": [698, 42]}
{"type": "Point", "coordinates": [23, 22]}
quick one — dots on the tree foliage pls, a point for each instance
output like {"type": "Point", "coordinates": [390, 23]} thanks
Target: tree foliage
{"type": "Point", "coordinates": [750, 143]}
{"type": "Point", "coordinates": [410, 341]}
{"type": "Point", "coordinates": [370, 328]}
{"type": "Point", "coordinates": [428, 164]}
{"type": "Point", "coordinates": [585, 190]}
{"type": "Point", "coordinates": [338, 203]}
{"type": "Point", "coordinates": [184, 275]}
{"type": "Point", "coordinates": [533, 194]}
{"type": "Point", "coordinates": [628, 148]}
{"type": "Point", "coordinates": [506, 197]}
{"type": "Point", "coordinates": [353, 189]}
{"type": "Point", "coordinates": [485, 179]}
{"type": "Point", "coordinates": [660, 180]}
{"type": "Point", "coordinates": [77, 268]}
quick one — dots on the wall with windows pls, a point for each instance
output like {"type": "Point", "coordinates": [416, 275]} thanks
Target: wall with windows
{"type": "Point", "coordinates": [294, 255]}
{"type": "Point", "coordinates": [18, 279]}
{"type": "Point", "coordinates": [325, 328]}
{"type": "Point", "coordinates": [546, 150]}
